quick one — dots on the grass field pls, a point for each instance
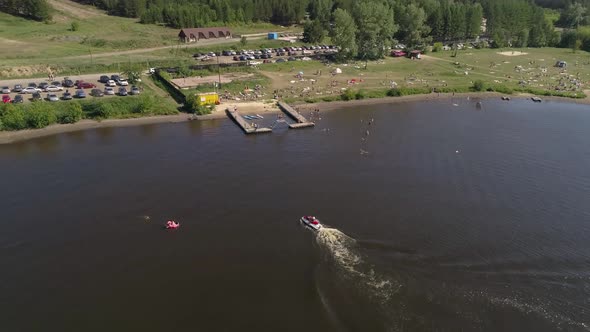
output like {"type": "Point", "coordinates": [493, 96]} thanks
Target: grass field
{"type": "Point", "coordinates": [27, 47]}
{"type": "Point", "coordinates": [532, 71]}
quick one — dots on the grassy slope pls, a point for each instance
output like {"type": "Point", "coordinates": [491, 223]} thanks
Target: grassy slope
{"type": "Point", "coordinates": [25, 43]}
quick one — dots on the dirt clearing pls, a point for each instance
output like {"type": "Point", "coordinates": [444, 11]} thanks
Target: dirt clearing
{"type": "Point", "coordinates": [190, 82]}
{"type": "Point", "coordinates": [512, 53]}
{"type": "Point", "coordinates": [73, 9]}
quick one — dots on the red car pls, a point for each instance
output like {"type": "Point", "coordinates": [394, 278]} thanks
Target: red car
{"type": "Point", "coordinates": [85, 85]}
{"type": "Point", "coordinates": [6, 99]}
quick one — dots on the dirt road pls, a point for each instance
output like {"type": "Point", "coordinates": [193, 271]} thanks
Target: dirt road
{"type": "Point", "coordinates": [204, 43]}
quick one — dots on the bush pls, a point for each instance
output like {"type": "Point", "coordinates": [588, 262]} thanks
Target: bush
{"type": "Point", "coordinates": [402, 91]}
{"type": "Point", "coordinates": [100, 110]}
{"type": "Point", "coordinates": [438, 46]}
{"type": "Point", "coordinates": [360, 94]}
{"type": "Point", "coordinates": [348, 94]}
{"type": "Point", "coordinates": [70, 114]}
{"type": "Point", "coordinates": [194, 106]}
{"type": "Point", "coordinates": [500, 89]}
{"type": "Point", "coordinates": [478, 85]}
{"type": "Point", "coordinates": [13, 118]}
{"type": "Point", "coordinates": [75, 26]}
{"type": "Point", "coordinates": [40, 115]}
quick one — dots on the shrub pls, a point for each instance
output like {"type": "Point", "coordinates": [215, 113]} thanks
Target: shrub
{"type": "Point", "coordinates": [13, 118]}
{"type": "Point", "coordinates": [402, 91]}
{"type": "Point", "coordinates": [71, 114]}
{"type": "Point", "coordinates": [437, 47]}
{"type": "Point", "coordinates": [194, 106]}
{"type": "Point", "coordinates": [478, 85]}
{"type": "Point", "coordinates": [500, 89]}
{"type": "Point", "coordinates": [40, 115]}
{"type": "Point", "coordinates": [74, 26]}
{"type": "Point", "coordinates": [348, 95]}
{"type": "Point", "coordinates": [100, 110]}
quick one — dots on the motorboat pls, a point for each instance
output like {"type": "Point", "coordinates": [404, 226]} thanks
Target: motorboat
{"type": "Point", "coordinates": [171, 224]}
{"type": "Point", "coordinates": [259, 116]}
{"type": "Point", "coordinates": [311, 222]}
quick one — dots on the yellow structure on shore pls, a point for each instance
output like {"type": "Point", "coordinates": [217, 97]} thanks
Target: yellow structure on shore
{"type": "Point", "coordinates": [208, 98]}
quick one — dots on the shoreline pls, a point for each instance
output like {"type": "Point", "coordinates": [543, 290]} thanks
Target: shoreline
{"type": "Point", "coordinates": [8, 137]}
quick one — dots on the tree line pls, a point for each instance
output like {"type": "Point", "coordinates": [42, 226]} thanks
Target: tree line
{"type": "Point", "coordinates": [199, 13]}
{"type": "Point", "coordinates": [38, 10]}
{"type": "Point", "coordinates": [362, 28]}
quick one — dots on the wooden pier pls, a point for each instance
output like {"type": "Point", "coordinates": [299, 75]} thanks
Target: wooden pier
{"type": "Point", "coordinates": [246, 127]}
{"type": "Point", "coordinates": [302, 122]}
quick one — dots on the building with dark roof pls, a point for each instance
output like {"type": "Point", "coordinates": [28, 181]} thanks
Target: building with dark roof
{"type": "Point", "coordinates": [189, 35]}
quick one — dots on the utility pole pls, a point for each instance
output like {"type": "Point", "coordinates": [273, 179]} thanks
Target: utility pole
{"type": "Point", "coordinates": [218, 70]}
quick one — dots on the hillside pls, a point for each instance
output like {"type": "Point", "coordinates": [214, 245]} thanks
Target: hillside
{"type": "Point", "coordinates": [97, 32]}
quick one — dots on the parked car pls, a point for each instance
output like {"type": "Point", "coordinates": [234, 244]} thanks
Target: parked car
{"type": "Point", "coordinates": [30, 89]}
{"type": "Point", "coordinates": [80, 94]}
{"type": "Point", "coordinates": [43, 85]}
{"type": "Point", "coordinates": [52, 97]}
{"type": "Point", "coordinates": [96, 93]}
{"type": "Point", "coordinates": [292, 59]}
{"type": "Point", "coordinates": [17, 99]}
{"type": "Point", "coordinates": [243, 58]}
{"type": "Point", "coordinates": [103, 79]}
{"type": "Point", "coordinates": [115, 77]}
{"type": "Point", "coordinates": [56, 83]}
{"type": "Point", "coordinates": [6, 99]}
{"type": "Point", "coordinates": [134, 90]}
{"type": "Point", "coordinates": [5, 89]}
{"type": "Point", "coordinates": [36, 96]}
{"type": "Point", "coordinates": [109, 91]}
{"type": "Point", "coordinates": [122, 91]}
{"type": "Point", "coordinates": [111, 83]}
{"type": "Point", "coordinates": [53, 88]}
{"type": "Point", "coordinates": [122, 82]}
{"type": "Point", "coordinates": [85, 85]}
{"type": "Point", "coordinates": [281, 60]}
{"type": "Point", "coordinates": [17, 88]}
{"type": "Point", "coordinates": [66, 96]}
{"type": "Point", "coordinates": [32, 85]}
{"type": "Point", "coordinates": [68, 83]}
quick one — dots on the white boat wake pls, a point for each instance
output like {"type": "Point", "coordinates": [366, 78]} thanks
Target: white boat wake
{"type": "Point", "coordinates": [342, 249]}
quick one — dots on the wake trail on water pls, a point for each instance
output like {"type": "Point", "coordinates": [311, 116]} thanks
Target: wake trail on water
{"type": "Point", "coordinates": [391, 295]}
{"type": "Point", "coordinates": [343, 251]}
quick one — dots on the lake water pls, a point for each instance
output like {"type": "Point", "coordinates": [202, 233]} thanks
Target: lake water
{"type": "Point", "coordinates": [453, 218]}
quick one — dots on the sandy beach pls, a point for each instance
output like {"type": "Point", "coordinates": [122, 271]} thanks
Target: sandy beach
{"type": "Point", "coordinates": [269, 107]}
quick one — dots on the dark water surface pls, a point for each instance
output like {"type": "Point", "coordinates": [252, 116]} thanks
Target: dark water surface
{"type": "Point", "coordinates": [457, 219]}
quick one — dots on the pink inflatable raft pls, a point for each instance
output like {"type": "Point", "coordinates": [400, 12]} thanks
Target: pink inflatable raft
{"type": "Point", "coordinates": [171, 224]}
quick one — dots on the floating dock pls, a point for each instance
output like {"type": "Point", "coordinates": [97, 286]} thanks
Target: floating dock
{"type": "Point", "coordinates": [302, 122]}
{"type": "Point", "coordinates": [246, 127]}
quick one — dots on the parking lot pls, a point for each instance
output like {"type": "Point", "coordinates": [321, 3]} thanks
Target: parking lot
{"type": "Point", "coordinates": [63, 89]}
{"type": "Point", "coordinates": [268, 55]}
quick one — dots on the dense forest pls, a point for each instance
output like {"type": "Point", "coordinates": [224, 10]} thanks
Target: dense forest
{"type": "Point", "coordinates": [37, 10]}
